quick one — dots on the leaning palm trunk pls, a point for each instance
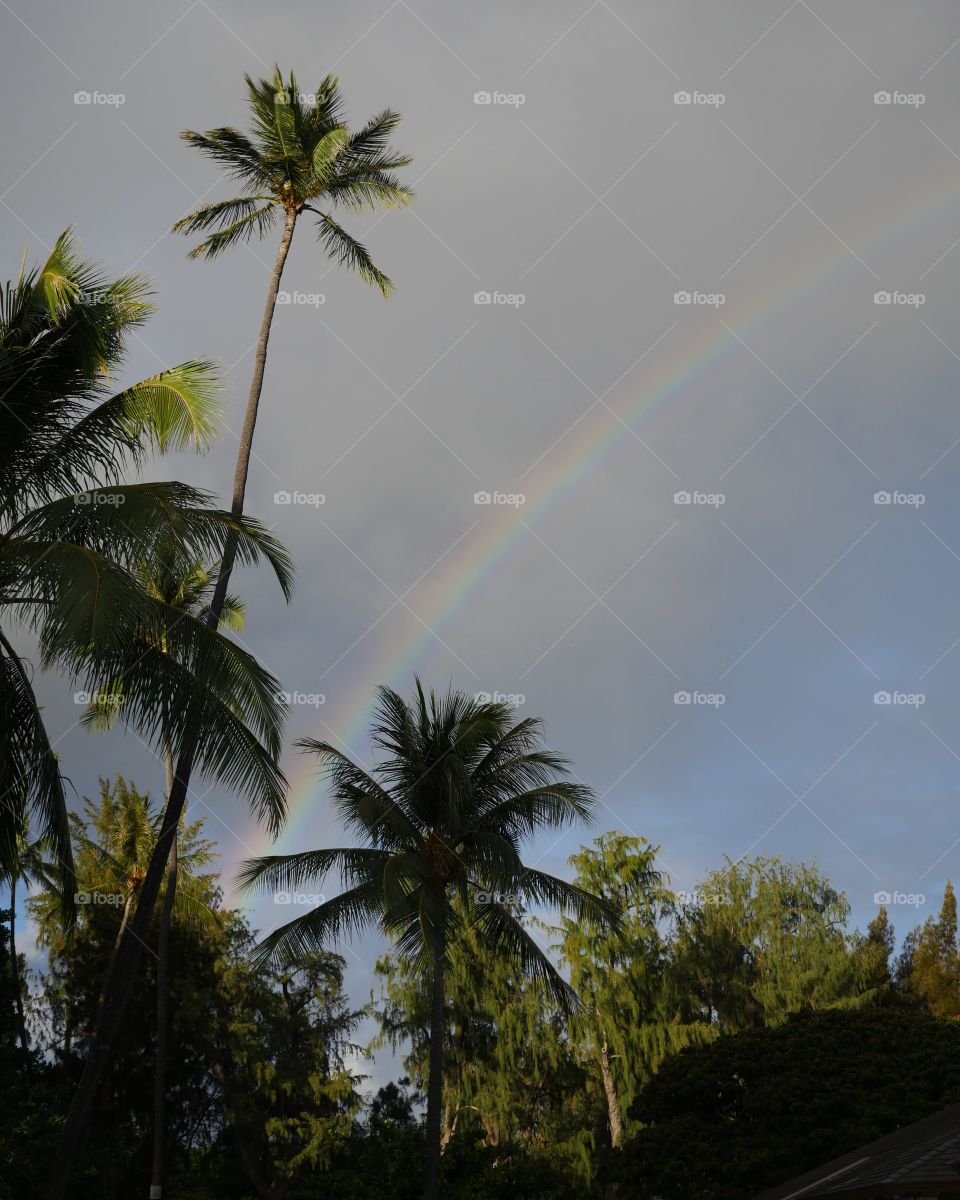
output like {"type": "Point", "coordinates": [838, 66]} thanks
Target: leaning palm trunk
{"type": "Point", "coordinates": [431, 1175]}
{"type": "Point", "coordinates": [15, 967]}
{"type": "Point", "coordinates": [163, 1030]}
{"type": "Point", "coordinates": [117, 994]}
{"type": "Point", "coordinates": [115, 952]}
{"type": "Point", "coordinates": [250, 416]}
{"type": "Point", "coordinates": [163, 1026]}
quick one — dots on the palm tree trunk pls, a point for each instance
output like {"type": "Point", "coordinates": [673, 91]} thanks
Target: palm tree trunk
{"type": "Point", "coordinates": [431, 1174]}
{"type": "Point", "coordinates": [245, 448]}
{"type": "Point", "coordinates": [115, 952]}
{"type": "Point", "coordinates": [117, 995]}
{"type": "Point", "coordinates": [163, 1019]}
{"type": "Point", "coordinates": [15, 966]}
{"type": "Point", "coordinates": [111, 1017]}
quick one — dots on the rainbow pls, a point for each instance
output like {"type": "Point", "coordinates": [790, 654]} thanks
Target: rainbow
{"type": "Point", "coordinates": [646, 393]}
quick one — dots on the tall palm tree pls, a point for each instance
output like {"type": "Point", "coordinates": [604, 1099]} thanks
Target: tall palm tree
{"type": "Point", "coordinates": [442, 816]}
{"type": "Point", "coordinates": [163, 578]}
{"type": "Point", "coordinates": [299, 157]}
{"type": "Point", "coordinates": [71, 534]}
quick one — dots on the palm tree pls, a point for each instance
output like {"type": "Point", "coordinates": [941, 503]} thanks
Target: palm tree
{"type": "Point", "coordinates": [70, 530]}
{"type": "Point", "coordinates": [163, 578]}
{"type": "Point", "coordinates": [71, 536]}
{"type": "Point", "coordinates": [442, 817]}
{"type": "Point", "coordinates": [300, 157]}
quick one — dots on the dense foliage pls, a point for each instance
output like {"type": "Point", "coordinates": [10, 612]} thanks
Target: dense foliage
{"type": "Point", "coordinates": [727, 1120]}
{"type": "Point", "coordinates": [268, 1095]}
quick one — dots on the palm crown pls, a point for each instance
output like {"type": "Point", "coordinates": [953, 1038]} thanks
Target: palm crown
{"type": "Point", "coordinates": [72, 536]}
{"type": "Point", "coordinates": [300, 157]}
{"type": "Point", "coordinates": [459, 788]}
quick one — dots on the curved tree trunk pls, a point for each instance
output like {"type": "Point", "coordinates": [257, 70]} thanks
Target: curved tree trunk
{"type": "Point", "coordinates": [431, 1173]}
{"type": "Point", "coordinates": [163, 1018]}
{"type": "Point", "coordinates": [115, 952]}
{"type": "Point", "coordinates": [15, 966]}
{"type": "Point", "coordinates": [128, 961]}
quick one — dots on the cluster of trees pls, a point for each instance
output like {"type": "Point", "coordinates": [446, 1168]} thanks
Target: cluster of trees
{"type": "Point", "coordinates": [703, 1027]}
{"type": "Point", "coordinates": [162, 1041]}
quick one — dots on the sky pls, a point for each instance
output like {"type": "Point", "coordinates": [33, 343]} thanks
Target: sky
{"type": "Point", "coordinates": [677, 295]}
